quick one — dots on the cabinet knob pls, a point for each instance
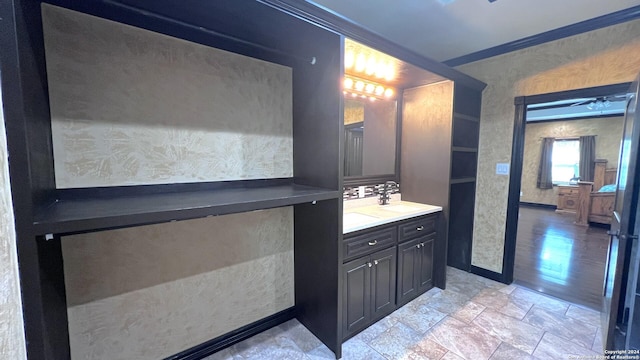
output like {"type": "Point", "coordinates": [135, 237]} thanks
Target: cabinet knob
{"type": "Point", "coordinates": [371, 243]}
{"type": "Point", "coordinates": [369, 264]}
{"type": "Point", "coordinates": [375, 262]}
{"type": "Point", "coordinates": [418, 246]}
{"type": "Point", "coordinates": [420, 228]}
{"type": "Point", "coordinates": [422, 244]}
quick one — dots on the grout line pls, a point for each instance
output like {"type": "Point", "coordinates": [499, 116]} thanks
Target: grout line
{"type": "Point", "coordinates": [539, 341]}
{"type": "Point", "coordinates": [497, 347]}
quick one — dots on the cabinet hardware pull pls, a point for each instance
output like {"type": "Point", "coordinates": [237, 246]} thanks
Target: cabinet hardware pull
{"type": "Point", "coordinates": [375, 262]}
{"type": "Point", "coordinates": [371, 243]}
{"type": "Point", "coordinates": [422, 244]}
{"type": "Point", "coordinates": [369, 264]}
{"type": "Point", "coordinates": [420, 228]}
{"type": "Point", "coordinates": [418, 246]}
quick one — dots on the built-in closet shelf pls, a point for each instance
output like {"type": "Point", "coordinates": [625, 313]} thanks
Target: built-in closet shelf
{"type": "Point", "coordinates": [100, 212]}
{"type": "Point", "coordinates": [466, 117]}
{"type": "Point", "coordinates": [464, 149]}
{"type": "Point", "coordinates": [463, 180]}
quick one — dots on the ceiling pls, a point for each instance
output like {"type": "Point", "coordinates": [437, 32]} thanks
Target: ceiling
{"type": "Point", "coordinates": [447, 29]}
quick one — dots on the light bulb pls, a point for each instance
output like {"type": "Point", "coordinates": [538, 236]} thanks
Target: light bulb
{"type": "Point", "coordinates": [390, 73]}
{"type": "Point", "coordinates": [348, 83]}
{"type": "Point", "coordinates": [371, 65]}
{"type": "Point", "coordinates": [379, 90]}
{"type": "Point", "coordinates": [361, 63]}
{"type": "Point", "coordinates": [388, 93]}
{"type": "Point", "coordinates": [354, 94]}
{"type": "Point", "coordinates": [369, 88]}
{"type": "Point", "coordinates": [359, 85]}
{"type": "Point", "coordinates": [381, 69]}
{"type": "Point", "coordinates": [349, 59]}
{"type": "Point", "coordinates": [372, 99]}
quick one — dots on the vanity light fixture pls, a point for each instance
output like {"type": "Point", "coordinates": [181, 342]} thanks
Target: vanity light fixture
{"type": "Point", "coordinates": [366, 88]}
{"type": "Point", "coordinates": [373, 66]}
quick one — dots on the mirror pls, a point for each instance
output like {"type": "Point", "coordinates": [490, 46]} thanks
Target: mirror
{"type": "Point", "coordinates": [370, 137]}
{"type": "Point", "coordinates": [373, 86]}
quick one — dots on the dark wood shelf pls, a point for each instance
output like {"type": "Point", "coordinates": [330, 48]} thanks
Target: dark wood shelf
{"type": "Point", "coordinates": [466, 117]}
{"type": "Point", "coordinates": [464, 149]}
{"type": "Point", "coordinates": [463, 180]}
{"type": "Point", "coordinates": [101, 212]}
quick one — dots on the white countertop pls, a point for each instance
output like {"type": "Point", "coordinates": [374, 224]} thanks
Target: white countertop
{"type": "Point", "coordinates": [359, 218]}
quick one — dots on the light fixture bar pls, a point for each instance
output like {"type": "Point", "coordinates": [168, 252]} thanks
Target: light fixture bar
{"type": "Point", "coordinates": [362, 88]}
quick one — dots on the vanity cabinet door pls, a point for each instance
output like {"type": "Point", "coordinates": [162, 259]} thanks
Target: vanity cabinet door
{"type": "Point", "coordinates": [369, 290]}
{"type": "Point", "coordinates": [383, 283]}
{"type": "Point", "coordinates": [425, 255]}
{"type": "Point", "coordinates": [408, 263]}
{"type": "Point", "coordinates": [356, 295]}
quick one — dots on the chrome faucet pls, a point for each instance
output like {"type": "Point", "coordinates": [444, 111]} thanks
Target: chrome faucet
{"type": "Point", "coordinates": [385, 192]}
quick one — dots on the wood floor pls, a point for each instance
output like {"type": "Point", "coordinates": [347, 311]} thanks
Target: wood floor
{"type": "Point", "coordinates": [558, 258]}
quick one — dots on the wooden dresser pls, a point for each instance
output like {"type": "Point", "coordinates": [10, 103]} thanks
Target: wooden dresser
{"type": "Point", "coordinates": [567, 198]}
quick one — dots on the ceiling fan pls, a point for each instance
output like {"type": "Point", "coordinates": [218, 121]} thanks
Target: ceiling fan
{"type": "Point", "coordinates": [600, 102]}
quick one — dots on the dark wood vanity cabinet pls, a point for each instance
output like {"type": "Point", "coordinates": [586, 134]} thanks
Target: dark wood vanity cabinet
{"type": "Point", "coordinates": [415, 267]}
{"type": "Point", "coordinates": [369, 290]}
{"type": "Point", "coordinates": [374, 285]}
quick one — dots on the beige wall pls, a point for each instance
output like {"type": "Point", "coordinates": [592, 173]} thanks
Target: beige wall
{"type": "Point", "coordinates": [605, 56]}
{"type": "Point", "coordinates": [12, 345]}
{"type": "Point", "coordinates": [608, 131]}
{"type": "Point", "coordinates": [134, 107]}
{"type": "Point", "coordinates": [149, 292]}
{"type": "Point", "coordinates": [130, 107]}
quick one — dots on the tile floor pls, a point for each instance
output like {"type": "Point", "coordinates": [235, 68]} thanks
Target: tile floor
{"type": "Point", "coordinates": [475, 318]}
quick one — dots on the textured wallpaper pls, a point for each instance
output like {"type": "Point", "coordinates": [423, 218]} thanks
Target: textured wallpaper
{"type": "Point", "coordinates": [149, 292]}
{"type": "Point", "coordinates": [606, 56]}
{"type": "Point", "coordinates": [130, 106]}
{"type": "Point", "coordinates": [609, 134]}
{"type": "Point", "coordinates": [12, 343]}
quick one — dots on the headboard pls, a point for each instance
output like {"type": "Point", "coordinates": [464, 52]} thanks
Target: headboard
{"type": "Point", "coordinates": [603, 176]}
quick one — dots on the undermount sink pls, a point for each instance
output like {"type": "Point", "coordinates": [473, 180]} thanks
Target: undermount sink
{"type": "Point", "coordinates": [358, 218]}
{"type": "Point", "coordinates": [398, 208]}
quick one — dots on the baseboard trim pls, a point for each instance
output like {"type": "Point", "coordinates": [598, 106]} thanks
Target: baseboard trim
{"type": "Point", "coordinates": [536, 205]}
{"type": "Point", "coordinates": [488, 274]}
{"type": "Point", "coordinates": [214, 345]}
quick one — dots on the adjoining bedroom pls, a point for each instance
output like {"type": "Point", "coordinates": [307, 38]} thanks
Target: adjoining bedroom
{"type": "Point", "coordinates": [569, 166]}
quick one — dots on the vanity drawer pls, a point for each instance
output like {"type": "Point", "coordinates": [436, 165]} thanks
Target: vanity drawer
{"type": "Point", "coordinates": [418, 227]}
{"type": "Point", "coordinates": [367, 243]}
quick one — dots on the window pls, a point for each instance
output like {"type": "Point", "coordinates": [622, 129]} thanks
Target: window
{"type": "Point", "coordinates": [565, 160]}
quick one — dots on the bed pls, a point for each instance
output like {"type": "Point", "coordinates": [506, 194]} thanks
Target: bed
{"type": "Point", "coordinates": [596, 199]}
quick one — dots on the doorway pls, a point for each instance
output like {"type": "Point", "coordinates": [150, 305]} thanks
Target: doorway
{"type": "Point", "coordinates": [544, 248]}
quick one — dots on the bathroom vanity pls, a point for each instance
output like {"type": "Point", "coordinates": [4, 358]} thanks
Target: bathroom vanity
{"type": "Point", "coordinates": [388, 260]}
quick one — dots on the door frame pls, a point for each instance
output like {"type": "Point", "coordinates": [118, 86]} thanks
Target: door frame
{"type": "Point", "coordinates": [517, 155]}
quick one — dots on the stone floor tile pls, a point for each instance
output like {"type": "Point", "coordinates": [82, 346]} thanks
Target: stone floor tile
{"type": "Point", "coordinates": [466, 340]}
{"type": "Point", "coordinates": [356, 349]}
{"type": "Point", "coordinates": [421, 319]}
{"type": "Point", "coordinates": [512, 331]}
{"type": "Point", "coordinates": [569, 328]}
{"type": "Point", "coordinates": [377, 328]}
{"type": "Point", "coordinates": [588, 316]}
{"type": "Point", "coordinates": [541, 300]}
{"type": "Point", "coordinates": [305, 340]}
{"type": "Point", "coordinates": [508, 352]}
{"type": "Point", "coordinates": [451, 356]}
{"type": "Point", "coordinates": [469, 311]}
{"type": "Point", "coordinates": [555, 347]}
{"type": "Point", "coordinates": [503, 303]}
{"type": "Point", "coordinates": [396, 342]}
{"type": "Point", "coordinates": [597, 342]}
{"type": "Point", "coordinates": [447, 301]}
{"type": "Point", "coordinates": [427, 349]}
